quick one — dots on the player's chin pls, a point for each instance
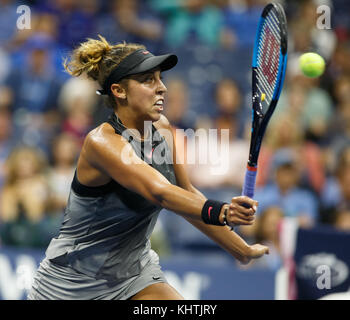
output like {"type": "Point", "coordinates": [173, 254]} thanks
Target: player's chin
{"type": "Point", "coordinates": [155, 114]}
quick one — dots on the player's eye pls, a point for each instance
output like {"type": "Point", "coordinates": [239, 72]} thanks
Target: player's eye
{"type": "Point", "coordinates": [149, 78]}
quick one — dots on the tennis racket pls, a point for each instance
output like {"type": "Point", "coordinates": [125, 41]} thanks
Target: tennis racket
{"type": "Point", "coordinates": [269, 67]}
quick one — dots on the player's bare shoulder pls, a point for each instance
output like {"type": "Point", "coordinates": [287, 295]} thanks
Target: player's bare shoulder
{"type": "Point", "coordinates": [99, 136]}
{"type": "Point", "coordinates": [100, 140]}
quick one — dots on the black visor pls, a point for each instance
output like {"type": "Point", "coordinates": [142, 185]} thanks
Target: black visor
{"type": "Point", "coordinates": [137, 62]}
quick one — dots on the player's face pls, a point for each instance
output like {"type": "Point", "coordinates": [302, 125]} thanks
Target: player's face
{"type": "Point", "coordinates": [145, 94]}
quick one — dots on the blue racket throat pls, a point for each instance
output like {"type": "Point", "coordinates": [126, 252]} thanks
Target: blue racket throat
{"type": "Point", "coordinates": [268, 73]}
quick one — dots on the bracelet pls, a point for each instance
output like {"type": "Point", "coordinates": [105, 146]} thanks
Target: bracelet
{"type": "Point", "coordinates": [211, 212]}
{"type": "Point", "coordinates": [225, 219]}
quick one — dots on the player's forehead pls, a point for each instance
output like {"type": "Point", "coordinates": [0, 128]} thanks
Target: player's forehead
{"type": "Point", "coordinates": [148, 72]}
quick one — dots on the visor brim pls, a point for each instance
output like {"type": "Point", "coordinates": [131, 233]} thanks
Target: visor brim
{"type": "Point", "coordinates": [164, 62]}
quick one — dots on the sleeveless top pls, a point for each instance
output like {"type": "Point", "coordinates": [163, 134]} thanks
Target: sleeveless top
{"type": "Point", "coordinates": [106, 229]}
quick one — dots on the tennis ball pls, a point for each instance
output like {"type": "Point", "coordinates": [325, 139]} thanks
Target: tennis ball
{"type": "Point", "coordinates": [311, 64]}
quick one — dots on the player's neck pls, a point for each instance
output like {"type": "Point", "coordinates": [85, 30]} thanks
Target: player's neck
{"type": "Point", "coordinates": [130, 122]}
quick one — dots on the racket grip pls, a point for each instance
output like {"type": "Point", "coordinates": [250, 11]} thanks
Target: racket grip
{"type": "Point", "coordinates": [249, 182]}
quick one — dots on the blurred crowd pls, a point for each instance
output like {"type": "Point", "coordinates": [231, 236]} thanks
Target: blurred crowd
{"type": "Point", "coordinates": [304, 165]}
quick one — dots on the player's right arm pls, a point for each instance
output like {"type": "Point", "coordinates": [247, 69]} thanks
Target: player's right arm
{"type": "Point", "coordinates": [109, 155]}
{"type": "Point", "coordinates": [104, 154]}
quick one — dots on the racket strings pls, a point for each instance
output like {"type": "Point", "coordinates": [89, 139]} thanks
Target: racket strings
{"type": "Point", "coordinates": [269, 51]}
{"type": "Point", "coordinates": [268, 57]}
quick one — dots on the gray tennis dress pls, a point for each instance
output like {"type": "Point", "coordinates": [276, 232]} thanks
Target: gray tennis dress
{"type": "Point", "coordinates": [103, 249]}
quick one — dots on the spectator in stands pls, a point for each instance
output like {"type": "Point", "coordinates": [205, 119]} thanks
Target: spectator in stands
{"type": "Point", "coordinates": [339, 129]}
{"type": "Point", "coordinates": [336, 193]}
{"type": "Point", "coordinates": [177, 100]}
{"type": "Point", "coordinates": [266, 231]}
{"type": "Point", "coordinates": [338, 67]}
{"type": "Point", "coordinates": [44, 28]}
{"type": "Point", "coordinates": [342, 220]}
{"type": "Point", "coordinates": [41, 23]}
{"type": "Point", "coordinates": [74, 25]}
{"type": "Point", "coordinates": [60, 174]}
{"type": "Point", "coordinates": [309, 104]}
{"type": "Point", "coordinates": [24, 197]}
{"type": "Point", "coordinates": [32, 88]}
{"type": "Point", "coordinates": [285, 131]}
{"type": "Point", "coordinates": [315, 108]}
{"type": "Point", "coordinates": [130, 22]}
{"type": "Point", "coordinates": [5, 65]}
{"type": "Point", "coordinates": [8, 18]}
{"type": "Point", "coordinates": [7, 141]}
{"type": "Point", "coordinates": [232, 150]}
{"type": "Point", "coordinates": [25, 190]}
{"type": "Point", "coordinates": [77, 100]}
{"type": "Point", "coordinates": [284, 191]}
{"type": "Point", "coordinates": [304, 25]}
{"type": "Point", "coordinates": [240, 21]}
{"type": "Point", "coordinates": [196, 21]}
{"type": "Point", "coordinates": [178, 113]}
{"type": "Point", "coordinates": [34, 85]}
{"type": "Point", "coordinates": [59, 177]}
{"type": "Point", "coordinates": [230, 112]}
{"type": "Point", "coordinates": [340, 62]}
{"type": "Point", "coordinates": [341, 90]}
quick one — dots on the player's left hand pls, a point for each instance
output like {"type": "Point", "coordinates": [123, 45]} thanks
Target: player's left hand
{"type": "Point", "coordinates": [241, 211]}
{"type": "Point", "coordinates": [255, 251]}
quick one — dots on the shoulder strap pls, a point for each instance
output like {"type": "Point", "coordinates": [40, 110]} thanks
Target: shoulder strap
{"type": "Point", "coordinates": [116, 123]}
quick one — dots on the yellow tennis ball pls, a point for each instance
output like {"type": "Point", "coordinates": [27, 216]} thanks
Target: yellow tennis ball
{"type": "Point", "coordinates": [312, 64]}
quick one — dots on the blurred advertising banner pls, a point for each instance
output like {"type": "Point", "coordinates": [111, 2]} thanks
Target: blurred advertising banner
{"type": "Point", "coordinates": [17, 269]}
{"type": "Point", "coordinates": [196, 276]}
{"type": "Point", "coordinates": [318, 261]}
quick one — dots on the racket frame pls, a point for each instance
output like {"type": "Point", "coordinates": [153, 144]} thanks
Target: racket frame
{"type": "Point", "coordinates": [260, 120]}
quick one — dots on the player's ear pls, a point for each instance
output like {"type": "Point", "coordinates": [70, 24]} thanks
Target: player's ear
{"type": "Point", "coordinates": [118, 91]}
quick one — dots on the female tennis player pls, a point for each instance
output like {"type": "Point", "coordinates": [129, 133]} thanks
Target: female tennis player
{"type": "Point", "coordinates": [121, 184]}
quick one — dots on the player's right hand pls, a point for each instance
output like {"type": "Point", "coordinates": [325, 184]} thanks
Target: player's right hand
{"type": "Point", "coordinates": [241, 211]}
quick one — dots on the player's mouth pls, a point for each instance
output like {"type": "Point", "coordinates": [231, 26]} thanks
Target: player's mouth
{"type": "Point", "coordinates": [159, 104]}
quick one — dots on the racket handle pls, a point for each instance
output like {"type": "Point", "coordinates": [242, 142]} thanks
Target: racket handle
{"type": "Point", "coordinates": [249, 182]}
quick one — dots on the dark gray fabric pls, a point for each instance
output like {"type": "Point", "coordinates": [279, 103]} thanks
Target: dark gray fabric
{"type": "Point", "coordinates": [55, 282]}
{"type": "Point", "coordinates": [103, 241]}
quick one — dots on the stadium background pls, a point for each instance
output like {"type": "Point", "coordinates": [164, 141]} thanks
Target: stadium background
{"type": "Point", "coordinates": [304, 167]}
